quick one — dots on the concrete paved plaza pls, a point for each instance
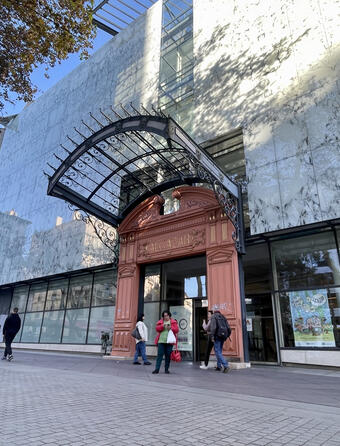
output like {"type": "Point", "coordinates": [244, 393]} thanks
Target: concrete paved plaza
{"type": "Point", "coordinates": [59, 399]}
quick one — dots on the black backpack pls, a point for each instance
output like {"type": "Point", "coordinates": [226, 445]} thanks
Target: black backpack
{"type": "Point", "coordinates": [223, 330]}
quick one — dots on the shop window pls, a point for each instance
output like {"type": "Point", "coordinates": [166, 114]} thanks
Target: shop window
{"type": "Point", "coordinates": [80, 292]}
{"type": "Point", "coordinates": [152, 316]}
{"type": "Point", "coordinates": [104, 288]}
{"type": "Point", "coordinates": [20, 298]}
{"type": "Point", "coordinates": [37, 297]}
{"type": "Point", "coordinates": [257, 269]}
{"type": "Point", "coordinates": [18, 335]}
{"type": "Point", "coordinates": [311, 318]}
{"type": "Point", "coordinates": [306, 262]}
{"type": "Point", "coordinates": [52, 327]}
{"type": "Point", "coordinates": [75, 327]}
{"type": "Point", "coordinates": [152, 286]}
{"type": "Point", "coordinates": [101, 319]}
{"type": "Point", "coordinates": [56, 295]}
{"type": "Point", "coordinates": [31, 329]}
{"type": "Point", "coordinates": [5, 300]}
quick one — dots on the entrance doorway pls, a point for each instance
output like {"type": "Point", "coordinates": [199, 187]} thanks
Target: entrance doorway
{"type": "Point", "coordinates": [180, 287]}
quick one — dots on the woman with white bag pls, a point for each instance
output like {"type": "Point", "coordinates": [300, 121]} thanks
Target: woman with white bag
{"type": "Point", "coordinates": [140, 343]}
{"type": "Point", "coordinates": [167, 330]}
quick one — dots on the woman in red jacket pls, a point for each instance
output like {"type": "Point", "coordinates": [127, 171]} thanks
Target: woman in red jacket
{"type": "Point", "coordinates": [163, 327]}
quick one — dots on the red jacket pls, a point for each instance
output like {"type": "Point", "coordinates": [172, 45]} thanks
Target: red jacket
{"type": "Point", "coordinates": [160, 328]}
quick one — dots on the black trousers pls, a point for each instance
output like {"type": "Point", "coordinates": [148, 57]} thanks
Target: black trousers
{"type": "Point", "coordinates": [163, 350]}
{"type": "Point", "coordinates": [8, 343]}
{"type": "Point", "coordinates": [210, 346]}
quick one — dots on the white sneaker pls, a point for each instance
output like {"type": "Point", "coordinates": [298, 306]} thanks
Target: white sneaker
{"type": "Point", "coordinates": [204, 367]}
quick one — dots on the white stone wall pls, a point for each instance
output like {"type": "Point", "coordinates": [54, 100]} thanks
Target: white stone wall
{"type": "Point", "coordinates": [272, 68]}
{"type": "Point", "coordinates": [125, 69]}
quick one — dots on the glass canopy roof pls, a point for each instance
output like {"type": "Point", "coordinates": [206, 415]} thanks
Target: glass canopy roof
{"type": "Point", "coordinates": [128, 155]}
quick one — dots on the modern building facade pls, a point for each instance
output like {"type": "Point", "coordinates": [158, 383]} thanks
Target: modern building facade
{"type": "Point", "coordinates": [255, 87]}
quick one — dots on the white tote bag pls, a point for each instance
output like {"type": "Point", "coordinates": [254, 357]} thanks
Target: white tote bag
{"type": "Point", "coordinates": [171, 338]}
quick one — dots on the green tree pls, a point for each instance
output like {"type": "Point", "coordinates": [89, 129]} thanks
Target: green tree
{"type": "Point", "coordinates": [39, 32]}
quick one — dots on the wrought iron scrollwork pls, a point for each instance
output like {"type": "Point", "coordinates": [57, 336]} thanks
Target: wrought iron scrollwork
{"type": "Point", "coordinates": [106, 233]}
{"type": "Point", "coordinates": [227, 201]}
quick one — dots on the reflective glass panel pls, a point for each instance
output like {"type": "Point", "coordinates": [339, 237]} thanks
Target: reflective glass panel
{"type": "Point", "coordinates": [5, 300]}
{"type": "Point", "coordinates": [306, 261]}
{"type": "Point", "coordinates": [56, 295]}
{"type": "Point", "coordinates": [152, 283]}
{"type": "Point", "coordinates": [37, 297]}
{"type": "Point", "coordinates": [75, 326]}
{"type": "Point", "coordinates": [311, 318]}
{"type": "Point", "coordinates": [52, 327]}
{"type": "Point", "coordinates": [20, 298]}
{"type": "Point", "coordinates": [104, 288]}
{"type": "Point", "coordinates": [80, 292]}
{"type": "Point", "coordinates": [152, 315]}
{"type": "Point", "coordinates": [31, 329]}
{"type": "Point", "coordinates": [101, 319]}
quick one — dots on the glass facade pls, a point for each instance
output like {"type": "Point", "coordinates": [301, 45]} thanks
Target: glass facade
{"type": "Point", "coordinates": [70, 311]}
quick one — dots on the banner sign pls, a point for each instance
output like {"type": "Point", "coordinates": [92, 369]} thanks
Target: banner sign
{"type": "Point", "coordinates": [311, 319]}
{"type": "Point", "coordinates": [183, 315]}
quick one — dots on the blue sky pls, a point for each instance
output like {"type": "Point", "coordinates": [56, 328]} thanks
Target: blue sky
{"type": "Point", "coordinates": [56, 73]}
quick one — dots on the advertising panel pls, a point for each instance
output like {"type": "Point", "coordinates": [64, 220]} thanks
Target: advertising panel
{"type": "Point", "coordinates": [311, 319]}
{"type": "Point", "coordinates": [183, 315]}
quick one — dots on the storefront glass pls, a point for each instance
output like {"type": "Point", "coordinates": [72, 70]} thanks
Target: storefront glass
{"type": "Point", "coordinates": [79, 295]}
{"type": "Point", "coordinates": [31, 329]}
{"type": "Point", "coordinates": [75, 326]}
{"type": "Point", "coordinates": [101, 319]}
{"type": "Point", "coordinates": [306, 262]}
{"type": "Point", "coordinates": [104, 288]}
{"type": "Point", "coordinates": [56, 295]}
{"type": "Point", "coordinates": [52, 326]}
{"type": "Point", "coordinates": [37, 297]}
{"type": "Point", "coordinates": [20, 298]}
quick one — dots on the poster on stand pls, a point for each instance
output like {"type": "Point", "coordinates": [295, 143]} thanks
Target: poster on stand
{"type": "Point", "coordinates": [311, 319]}
{"type": "Point", "coordinates": [183, 315]}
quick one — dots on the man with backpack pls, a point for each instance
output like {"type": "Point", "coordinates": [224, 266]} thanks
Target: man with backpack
{"type": "Point", "coordinates": [220, 332]}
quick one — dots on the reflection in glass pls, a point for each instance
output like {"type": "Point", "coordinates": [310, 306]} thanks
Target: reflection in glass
{"type": "Point", "coordinates": [151, 311]}
{"type": "Point", "coordinates": [104, 288]}
{"type": "Point", "coordinates": [31, 329]}
{"type": "Point", "coordinates": [36, 297]}
{"type": "Point", "coordinates": [101, 319]}
{"type": "Point", "coordinates": [152, 283]}
{"type": "Point", "coordinates": [75, 326]}
{"type": "Point", "coordinates": [306, 261]}
{"type": "Point", "coordinates": [80, 292]}
{"type": "Point", "coordinates": [5, 300]}
{"type": "Point", "coordinates": [20, 298]}
{"type": "Point", "coordinates": [195, 287]}
{"type": "Point", "coordinates": [52, 327]}
{"type": "Point", "coordinates": [56, 295]}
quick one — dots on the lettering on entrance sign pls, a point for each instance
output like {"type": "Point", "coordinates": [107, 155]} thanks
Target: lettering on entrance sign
{"type": "Point", "coordinates": [189, 240]}
{"type": "Point", "coordinates": [222, 306]}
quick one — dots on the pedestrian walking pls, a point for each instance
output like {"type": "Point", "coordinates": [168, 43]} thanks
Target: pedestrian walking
{"type": "Point", "coordinates": [11, 327]}
{"type": "Point", "coordinates": [210, 344]}
{"type": "Point", "coordinates": [220, 332]}
{"type": "Point", "coordinates": [141, 343]}
{"type": "Point", "coordinates": [167, 329]}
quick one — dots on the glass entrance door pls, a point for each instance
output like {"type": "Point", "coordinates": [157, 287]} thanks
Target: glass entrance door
{"type": "Point", "coordinates": [177, 286]}
{"type": "Point", "coordinates": [260, 328]}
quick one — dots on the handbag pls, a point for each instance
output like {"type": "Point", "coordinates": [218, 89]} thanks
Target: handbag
{"type": "Point", "coordinates": [176, 355]}
{"type": "Point", "coordinates": [171, 338]}
{"type": "Point", "coordinates": [135, 333]}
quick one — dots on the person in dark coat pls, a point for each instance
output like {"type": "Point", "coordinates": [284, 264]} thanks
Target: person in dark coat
{"type": "Point", "coordinates": [11, 327]}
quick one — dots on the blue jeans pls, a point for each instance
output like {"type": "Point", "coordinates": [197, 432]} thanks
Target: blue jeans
{"type": "Point", "coordinates": [140, 351]}
{"type": "Point", "coordinates": [218, 345]}
{"type": "Point", "coordinates": [163, 350]}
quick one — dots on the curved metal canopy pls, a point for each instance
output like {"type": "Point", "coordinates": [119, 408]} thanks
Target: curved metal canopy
{"type": "Point", "coordinates": [131, 156]}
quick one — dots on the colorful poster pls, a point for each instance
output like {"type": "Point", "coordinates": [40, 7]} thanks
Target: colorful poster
{"type": "Point", "coordinates": [183, 315]}
{"type": "Point", "coordinates": [311, 319]}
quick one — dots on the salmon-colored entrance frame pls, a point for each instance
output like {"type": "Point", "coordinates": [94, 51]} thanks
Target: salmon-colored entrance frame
{"type": "Point", "coordinates": [198, 227]}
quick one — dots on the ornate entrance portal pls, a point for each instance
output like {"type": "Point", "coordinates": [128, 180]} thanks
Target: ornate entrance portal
{"type": "Point", "coordinates": [198, 227]}
{"type": "Point", "coordinates": [112, 170]}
